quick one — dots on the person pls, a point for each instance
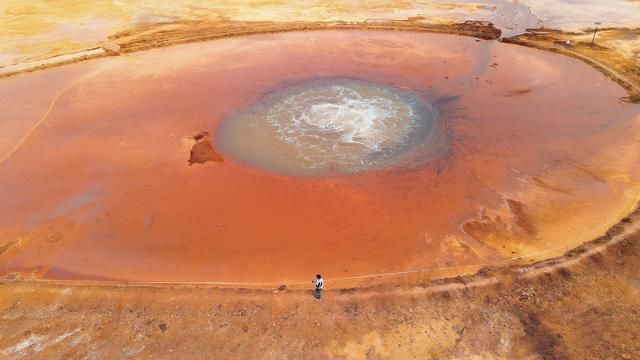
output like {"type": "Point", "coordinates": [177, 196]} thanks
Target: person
{"type": "Point", "coordinates": [319, 283]}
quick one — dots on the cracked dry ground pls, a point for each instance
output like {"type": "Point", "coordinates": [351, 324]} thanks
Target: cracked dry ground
{"type": "Point", "coordinates": [589, 310]}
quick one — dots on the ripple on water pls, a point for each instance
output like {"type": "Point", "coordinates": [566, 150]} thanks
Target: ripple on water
{"type": "Point", "coordinates": [330, 126]}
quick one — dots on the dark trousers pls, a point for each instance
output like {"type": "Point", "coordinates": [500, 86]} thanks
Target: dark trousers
{"type": "Point", "coordinates": [319, 294]}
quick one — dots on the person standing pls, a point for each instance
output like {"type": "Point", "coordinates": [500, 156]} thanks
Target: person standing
{"type": "Point", "coordinates": [319, 283]}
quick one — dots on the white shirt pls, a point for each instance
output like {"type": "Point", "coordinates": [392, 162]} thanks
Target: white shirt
{"type": "Point", "coordinates": [319, 284]}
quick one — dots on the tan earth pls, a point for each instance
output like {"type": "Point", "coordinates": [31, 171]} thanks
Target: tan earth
{"type": "Point", "coordinates": [583, 305]}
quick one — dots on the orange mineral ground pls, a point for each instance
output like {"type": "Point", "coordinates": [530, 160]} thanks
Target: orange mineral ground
{"type": "Point", "coordinates": [144, 166]}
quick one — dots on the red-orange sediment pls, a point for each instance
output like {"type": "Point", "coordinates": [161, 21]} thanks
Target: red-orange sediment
{"type": "Point", "coordinates": [102, 187]}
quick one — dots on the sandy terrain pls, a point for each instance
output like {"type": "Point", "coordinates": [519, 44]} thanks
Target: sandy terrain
{"type": "Point", "coordinates": [584, 305]}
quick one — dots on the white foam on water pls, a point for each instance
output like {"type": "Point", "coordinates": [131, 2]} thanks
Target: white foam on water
{"type": "Point", "coordinates": [336, 125]}
{"type": "Point", "coordinates": [358, 120]}
{"type": "Point", "coordinates": [328, 118]}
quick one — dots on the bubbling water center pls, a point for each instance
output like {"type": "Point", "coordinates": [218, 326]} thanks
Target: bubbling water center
{"type": "Point", "coordinates": [328, 126]}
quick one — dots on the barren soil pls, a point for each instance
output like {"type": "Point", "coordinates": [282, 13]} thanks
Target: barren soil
{"type": "Point", "coordinates": [582, 306]}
